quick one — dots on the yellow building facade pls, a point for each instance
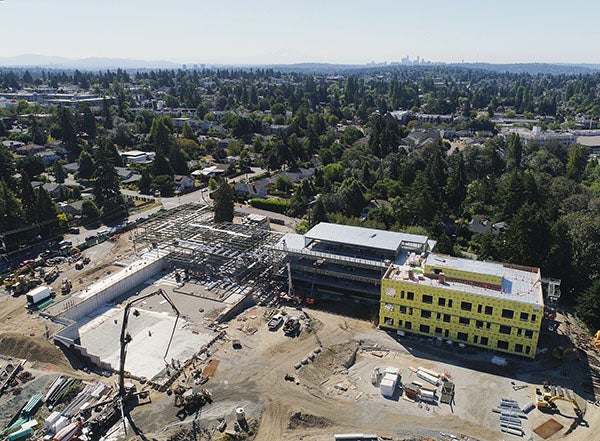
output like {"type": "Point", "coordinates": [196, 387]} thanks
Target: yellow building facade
{"type": "Point", "coordinates": [488, 305]}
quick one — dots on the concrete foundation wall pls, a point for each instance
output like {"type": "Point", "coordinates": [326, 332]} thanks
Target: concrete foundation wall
{"type": "Point", "coordinates": [106, 291]}
{"type": "Point", "coordinates": [132, 277]}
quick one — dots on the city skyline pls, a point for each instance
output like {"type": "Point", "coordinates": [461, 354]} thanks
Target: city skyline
{"type": "Point", "coordinates": [269, 32]}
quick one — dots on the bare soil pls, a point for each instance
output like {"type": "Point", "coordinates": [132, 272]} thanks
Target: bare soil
{"type": "Point", "coordinates": [36, 349]}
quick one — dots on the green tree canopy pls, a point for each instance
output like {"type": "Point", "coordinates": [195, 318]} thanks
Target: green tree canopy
{"type": "Point", "coordinates": [223, 202]}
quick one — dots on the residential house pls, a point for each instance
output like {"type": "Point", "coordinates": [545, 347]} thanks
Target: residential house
{"type": "Point", "coordinates": [297, 174]}
{"type": "Point", "coordinates": [485, 226]}
{"type": "Point", "coordinates": [57, 145]}
{"type": "Point", "coordinates": [478, 226]}
{"type": "Point", "coordinates": [183, 183]}
{"type": "Point", "coordinates": [71, 209]}
{"type": "Point", "coordinates": [215, 170]}
{"type": "Point", "coordinates": [71, 167]}
{"type": "Point", "coordinates": [138, 156]}
{"type": "Point", "coordinates": [30, 149]}
{"type": "Point", "coordinates": [13, 145]}
{"type": "Point", "coordinates": [53, 189]}
{"type": "Point", "coordinates": [374, 204]}
{"type": "Point", "coordinates": [48, 157]}
{"type": "Point", "coordinates": [127, 176]}
{"type": "Point", "coordinates": [256, 189]}
{"type": "Point", "coordinates": [420, 138]}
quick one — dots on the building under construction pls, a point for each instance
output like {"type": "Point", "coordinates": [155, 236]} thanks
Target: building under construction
{"type": "Point", "coordinates": [212, 272]}
{"type": "Point", "coordinates": [346, 262]}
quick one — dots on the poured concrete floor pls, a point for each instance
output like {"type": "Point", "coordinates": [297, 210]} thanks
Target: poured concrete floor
{"type": "Point", "coordinates": [150, 332]}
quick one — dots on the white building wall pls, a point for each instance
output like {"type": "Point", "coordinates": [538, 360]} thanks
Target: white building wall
{"type": "Point", "coordinates": [104, 292]}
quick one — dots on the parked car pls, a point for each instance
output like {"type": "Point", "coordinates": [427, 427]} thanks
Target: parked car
{"type": "Point", "coordinates": [64, 244]}
{"type": "Point", "coordinates": [91, 237]}
{"type": "Point", "coordinates": [73, 230]}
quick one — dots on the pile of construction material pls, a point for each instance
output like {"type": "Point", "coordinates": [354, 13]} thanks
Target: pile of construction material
{"type": "Point", "coordinates": [510, 417]}
{"type": "Point", "coordinates": [447, 392]}
{"type": "Point", "coordinates": [391, 377]}
{"type": "Point", "coordinates": [423, 391]}
{"type": "Point", "coordinates": [417, 391]}
{"type": "Point", "coordinates": [23, 423]}
{"type": "Point", "coordinates": [429, 376]}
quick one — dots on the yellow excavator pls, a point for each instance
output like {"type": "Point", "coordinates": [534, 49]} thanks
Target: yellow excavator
{"type": "Point", "coordinates": [546, 402]}
{"type": "Point", "coordinates": [14, 278]}
{"type": "Point", "coordinates": [597, 340]}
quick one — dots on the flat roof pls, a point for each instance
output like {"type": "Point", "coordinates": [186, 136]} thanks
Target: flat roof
{"type": "Point", "coordinates": [363, 237]}
{"type": "Point", "coordinates": [589, 141]}
{"type": "Point", "coordinates": [519, 285]}
{"type": "Point", "coordinates": [468, 265]}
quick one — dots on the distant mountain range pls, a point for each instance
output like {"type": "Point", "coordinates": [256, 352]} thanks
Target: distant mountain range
{"type": "Point", "coordinates": [96, 63]}
{"type": "Point", "coordinates": [92, 63]}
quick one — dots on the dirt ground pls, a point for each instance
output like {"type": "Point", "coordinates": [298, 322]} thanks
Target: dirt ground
{"type": "Point", "coordinates": [26, 335]}
{"type": "Point", "coordinates": [333, 393]}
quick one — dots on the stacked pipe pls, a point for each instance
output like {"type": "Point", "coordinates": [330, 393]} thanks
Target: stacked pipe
{"type": "Point", "coordinates": [510, 414]}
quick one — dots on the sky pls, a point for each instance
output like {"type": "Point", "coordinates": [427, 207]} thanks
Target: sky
{"type": "Point", "coordinates": [284, 31]}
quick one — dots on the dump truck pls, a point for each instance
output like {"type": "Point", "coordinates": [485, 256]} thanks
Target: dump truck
{"type": "Point", "coordinates": [39, 294]}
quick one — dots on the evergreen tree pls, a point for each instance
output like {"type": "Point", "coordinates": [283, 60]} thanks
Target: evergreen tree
{"type": "Point", "coordinates": [38, 136]}
{"type": "Point", "coordinates": [86, 165]}
{"type": "Point", "coordinates": [90, 212]}
{"type": "Point", "coordinates": [28, 198]}
{"type": "Point", "coordinates": [7, 164]}
{"type": "Point", "coordinates": [145, 181]}
{"type": "Point", "coordinates": [352, 193]}
{"type": "Point", "coordinates": [188, 132]}
{"type": "Point", "coordinates": [106, 182]}
{"type": "Point", "coordinates": [160, 134]}
{"type": "Point", "coordinates": [11, 215]}
{"type": "Point", "coordinates": [577, 161]}
{"type": "Point", "coordinates": [160, 166]}
{"type": "Point", "coordinates": [59, 172]}
{"type": "Point", "coordinates": [318, 213]}
{"type": "Point", "coordinates": [514, 152]}
{"type": "Point", "coordinates": [88, 124]}
{"type": "Point", "coordinates": [33, 165]}
{"type": "Point", "coordinates": [223, 202]}
{"type": "Point", "coordinates": [107, 114]}
{"type": "Point", "coordinates": [178, 161]}
{"type": "Point", "coordinates": [67, 129]}
{"type": "Point", "coordinates": [588, 305]}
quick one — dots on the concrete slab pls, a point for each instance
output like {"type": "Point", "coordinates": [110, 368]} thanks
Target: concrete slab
{"type": "Point", "coordinates": [150, 332]}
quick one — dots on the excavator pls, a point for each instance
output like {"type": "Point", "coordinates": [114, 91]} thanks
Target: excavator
{"type": "Point", "coordinates": [14, 278]}
{"type": "Point", "coordinates": [597, 340]}
{"type": "Point", "coordinates": [546, 402]}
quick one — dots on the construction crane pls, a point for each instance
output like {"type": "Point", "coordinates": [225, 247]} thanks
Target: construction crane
{"type": "Point", "coordinates": [124, 393]}
{"type": "Point", "coordinates": [126, 337]}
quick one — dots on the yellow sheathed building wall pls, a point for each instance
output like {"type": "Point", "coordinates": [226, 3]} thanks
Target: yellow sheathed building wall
{"type": "Point", "coordinates": [501, 324]}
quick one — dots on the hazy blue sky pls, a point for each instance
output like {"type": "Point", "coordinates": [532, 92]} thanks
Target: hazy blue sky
{"type": "Point", "coordinates": [281, 31]}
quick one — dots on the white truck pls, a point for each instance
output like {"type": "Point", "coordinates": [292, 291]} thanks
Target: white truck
{"type": "Point", "coordinates": [275, 322]}
{"type": "Point", "coordinates": [39, 294]}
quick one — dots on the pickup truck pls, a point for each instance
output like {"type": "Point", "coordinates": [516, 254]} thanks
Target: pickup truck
{"type": "Point", "coordinates": [275, 322]}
